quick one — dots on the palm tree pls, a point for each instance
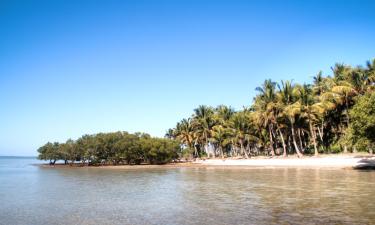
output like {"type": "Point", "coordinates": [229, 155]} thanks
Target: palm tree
{"type": "Point", "coordinates": [322, 87]}
{"type": "Point", "coordinates": [265, 104]}
{"type": "Point", "coordinates": [285, 98]}
{"type": "Point", "coordinates": [257, 120]}
{"type": "Point", "coordinates": [224, 113]}
{"type": "Point", "coordinates": [309, 109]}
{"type": "Point", "coordinates": [239, 126]}
{"type": "Point", "coordinates": [170, 134]}
{"type": "Point", "coordinates": [203, 122]}
{"type": "Point", "coordinates": [310, 115]}
{"type": "Point", "coordinates": [321, 84]}
{"type": "Point", "coordinates": [219, 136]}
{"type": "Point", "coordinates": [292, 111]}
{"type": "Point", "coordinates": [185, 133]}
{"type": "Point", "coordinates": [343, 92]}
{"type": "Point", "coordinates": [344, 87]}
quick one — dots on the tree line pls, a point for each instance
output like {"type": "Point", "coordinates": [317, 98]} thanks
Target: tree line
{"type": "Point", "coordinates": [333, 114]}
{"type": "Point", "coordinates": [113, 149]}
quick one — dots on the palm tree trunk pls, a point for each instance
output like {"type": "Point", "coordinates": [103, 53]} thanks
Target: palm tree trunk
{"type": "Point", "coordinates": [243, 149]}
{"type": "Point", "coordinates": [289, 143]}
{"type": "Point", "coordinates": [195, 151]}
{"type": "Point", "coordinates": [248, 149]}
{"type": "Point", "coordinates": [320, 133]}
{"type": "Point", "coordinates": [294, 141]}
{"type": "Point", "coordinates": [348, 121]}
{"type": "Point", "coordinates": [312, 136]}
{"type": "Point", "coordinates": [300, 140]}
{"type": "Point", "coordinates": [347, 111]}
{"type": "Point", "coordinates": [271, 141]}
{"type": "Point", "coordinates": [206, 143]}
{"type": "Point", "coordinates": [282, 141]}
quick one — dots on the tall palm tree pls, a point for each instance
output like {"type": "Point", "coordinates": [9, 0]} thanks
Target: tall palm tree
{"type": "Point", "coordinates": [185, 133]}
{"type": "Point", "coordinates": [343, 90]}
{"type": "Point", "coordinates": [285, 98]}
{"type": "Point", "coordinates": [309, 109]}
{"type": "Point", "coordinates": [203, 122]}
{"type": "Point", "coordinates": [239, 126]}
{"type": "Point", "coordinates": [342, 93]}
{"type": "Point", "coordinates": [265, 103]}
{"type": "Point", "coordinates": [292, 111]}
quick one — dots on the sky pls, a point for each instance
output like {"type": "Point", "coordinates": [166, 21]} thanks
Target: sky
{"type": "Point", "coordinates": [69, 68]}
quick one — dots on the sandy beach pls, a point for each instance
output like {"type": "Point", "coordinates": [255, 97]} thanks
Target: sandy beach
{"type": "Point", "coordinates": [360, 161]}
{"type": "Point", "coordinates": [324, 161]}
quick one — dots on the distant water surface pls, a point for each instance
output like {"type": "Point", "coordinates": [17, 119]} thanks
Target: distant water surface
{"type": "Point", "coordinates": [35, 195]}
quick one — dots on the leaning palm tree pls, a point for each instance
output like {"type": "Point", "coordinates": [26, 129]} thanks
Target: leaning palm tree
{"type": "Point", "coordinates": [292, 111]}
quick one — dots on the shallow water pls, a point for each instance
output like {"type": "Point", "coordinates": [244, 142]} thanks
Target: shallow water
{"type": "Point", "coordinates": [35, 195]}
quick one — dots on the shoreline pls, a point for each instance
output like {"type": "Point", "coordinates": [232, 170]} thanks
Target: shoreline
{"type": "Point", "coordinates": [341, 161]}
{"type": "Point", "coordinates": [324, 161]}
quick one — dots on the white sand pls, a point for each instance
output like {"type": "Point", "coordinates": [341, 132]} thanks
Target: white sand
{"type": "Point", "coordinates": [336, 161]}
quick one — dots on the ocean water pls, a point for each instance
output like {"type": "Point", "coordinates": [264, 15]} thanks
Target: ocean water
{"type": "Point", "coordinates": [32, 194]}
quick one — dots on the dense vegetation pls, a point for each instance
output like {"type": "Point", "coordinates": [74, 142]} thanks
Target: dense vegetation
{"type": "Point", "coordinates": [333, 114]}
{"type": "Point", "coordinates": [112, 148]}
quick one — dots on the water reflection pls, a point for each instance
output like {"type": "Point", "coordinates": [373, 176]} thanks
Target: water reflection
{"type": "Point", "coordinates": [33, 195]}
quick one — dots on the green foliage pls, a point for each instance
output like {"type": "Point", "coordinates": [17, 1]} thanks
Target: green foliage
{"type": "Point", "coordinates": [335, 148]}
{"type": "Point", "coordinates": [186, 153]}
{"type": "Point", "coordinates": [112, 148]}
{"type": "Point", "coordinates": [362, 126]}
{"type": "Point", "coordinates": [160, 151]}
{"type": "Point", "coordinates": [333, 114]}
{"type": "Point", "coordinates": [50, 152]}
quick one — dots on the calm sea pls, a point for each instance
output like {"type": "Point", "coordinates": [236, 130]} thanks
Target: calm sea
{"type": "Point", "coordinates": [34, 195]}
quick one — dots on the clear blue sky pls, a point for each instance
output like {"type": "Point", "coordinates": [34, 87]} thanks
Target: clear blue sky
{"type": "Point", "coordinates": [69, 68]}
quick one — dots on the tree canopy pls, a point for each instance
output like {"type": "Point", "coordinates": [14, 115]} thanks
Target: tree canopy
{"type": "Point", "coordinates": [112, 148]}
{"type": "Point", "coordinates": [334, 113]}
